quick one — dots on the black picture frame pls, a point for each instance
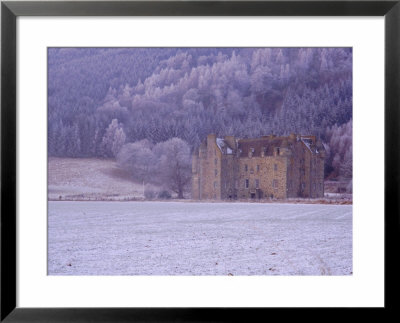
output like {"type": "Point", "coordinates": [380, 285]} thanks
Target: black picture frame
{"type": "Point", "coordinates": [10, 10]}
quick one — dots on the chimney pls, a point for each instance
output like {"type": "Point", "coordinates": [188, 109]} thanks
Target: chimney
{"type": "Point", "coordinates": [211, 139]}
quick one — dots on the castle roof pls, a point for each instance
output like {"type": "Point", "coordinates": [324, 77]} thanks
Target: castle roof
{"type": "Point", "coordinates": [266, 144]}
{"type": "Point", "coordinates": [257, 145]}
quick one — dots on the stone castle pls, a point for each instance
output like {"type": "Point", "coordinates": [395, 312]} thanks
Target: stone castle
{"type": "Point", "coordinates": [258, 168]}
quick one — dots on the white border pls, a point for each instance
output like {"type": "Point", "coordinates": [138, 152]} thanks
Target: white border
{"type": "Point", "coordinates": [364, 288]}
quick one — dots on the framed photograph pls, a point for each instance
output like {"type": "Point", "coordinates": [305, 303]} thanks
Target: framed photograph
{"type": "Point", "coordinates": [177, 160]}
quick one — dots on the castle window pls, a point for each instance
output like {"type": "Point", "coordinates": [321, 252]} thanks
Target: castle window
{"type": "Point", "coordinates": [245, 168]}
{"type": "Point", "coordinates": [315, 187]}
{"type": "Point", "coordinates": [264, 150]}
{"type": "Point", "coordinates": [275, 183]}
{"type": "Point", "coordinates": [275, 167]}
{"type": "Point", "coordinates": [277, 151]}
{"type": "Point", "coordinates": [215, 161]}
{"type": "Point", "coordinates": [215, 184]}
{"type": "Point", "coordinates": [258, 168]}
{"type": "Point", "coordinates": [246, 183]}
{"type": "Point", "coordinates": [303, 186]}
{"type": "Point", "coordinates": [216, 172]}
{"type": "Point", "coordinates": [257, 183]}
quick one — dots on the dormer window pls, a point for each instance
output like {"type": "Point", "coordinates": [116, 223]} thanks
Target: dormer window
{"type": "Point", "coordinates": [263, 152]}
{"type": "Point", "coordinates": [251, 152]}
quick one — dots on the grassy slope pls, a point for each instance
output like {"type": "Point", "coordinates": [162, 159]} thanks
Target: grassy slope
{"type": "Point", "coordinates": [89, 178]}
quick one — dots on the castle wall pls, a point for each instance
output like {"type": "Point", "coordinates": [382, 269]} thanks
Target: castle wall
{"type": "Point", "coordinates": [210, 170]}
{"type": "Point", "coordinates": [195, 177]}
{"type": "Point", "coordinates": [293, 177]}
{"type": "Point", "coordinates": [317, 186]}
{"type": "Point", "coordinates": [228, 177]}
{"type": "Point", "coordinates": [307, 174]}
{"type": "Point", "coordinates": [271, 175]}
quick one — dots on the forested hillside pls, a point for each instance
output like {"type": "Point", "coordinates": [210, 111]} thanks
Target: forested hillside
{"type": "Point", "coordinates": [100, 99]}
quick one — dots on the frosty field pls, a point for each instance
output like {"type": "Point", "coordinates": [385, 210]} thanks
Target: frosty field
{"type": "Point", "coordinates": [89, 178]}
{"type": "Point", "coordinates": [186, 238]}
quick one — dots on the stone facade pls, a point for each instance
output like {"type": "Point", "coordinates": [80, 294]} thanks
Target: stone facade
{"type": "Point", "coordinates": [258, 168]}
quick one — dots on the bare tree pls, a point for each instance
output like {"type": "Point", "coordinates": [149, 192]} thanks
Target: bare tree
{"type": "Point", "coordinates": [174, 164]}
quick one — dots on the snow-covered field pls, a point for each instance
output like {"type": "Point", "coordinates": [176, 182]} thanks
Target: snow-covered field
{"type": "Point", "coordinates": [185, 238]}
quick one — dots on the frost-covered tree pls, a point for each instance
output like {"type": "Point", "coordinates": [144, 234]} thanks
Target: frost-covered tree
{"type": "Point", "coordinates": [138, 159]}
{"type": "Point", "coordinates": [174, 164]}
{"type": "Point", "coordinates": [167, 164]}
{"type": "Point", "coordinates": [113, 139]}
{"type": "Point", "coordinates": [340, 147]}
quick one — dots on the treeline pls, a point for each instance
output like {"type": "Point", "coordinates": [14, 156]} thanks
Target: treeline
{"type": "Point", "coordinates": [102, 99]}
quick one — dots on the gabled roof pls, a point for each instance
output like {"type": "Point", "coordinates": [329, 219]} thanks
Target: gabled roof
{"type": "Point", "coordinates": [308, 143]}
{"type": "Point", "coordinates": [224, 146]}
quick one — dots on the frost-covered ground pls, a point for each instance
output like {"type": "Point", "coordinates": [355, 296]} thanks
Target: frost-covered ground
{"type": "Point", "coordinates": [178, 238]}
{"type": "Point", "coordinates": [89, 179]}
